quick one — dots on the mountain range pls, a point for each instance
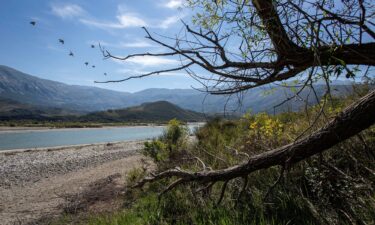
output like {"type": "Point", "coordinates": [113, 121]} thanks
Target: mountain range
{"type": "Point", "coordinates": [30, 90]}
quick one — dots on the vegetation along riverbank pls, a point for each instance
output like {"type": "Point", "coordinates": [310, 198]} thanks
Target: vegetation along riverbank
{"type": "Point", "coordinates": [336, 186]}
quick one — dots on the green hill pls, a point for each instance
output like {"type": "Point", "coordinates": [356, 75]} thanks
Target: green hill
{"type": "Point", "coordinates": [159, 111]}
{"type": "Point", "coordinates": [13, 110]}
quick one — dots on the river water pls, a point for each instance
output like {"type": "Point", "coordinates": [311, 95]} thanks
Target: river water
{"type": "Point", "coordinates": [77, 136]}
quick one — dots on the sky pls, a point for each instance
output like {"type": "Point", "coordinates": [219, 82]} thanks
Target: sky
{"type": "Point", "coordinates": [115, 24]}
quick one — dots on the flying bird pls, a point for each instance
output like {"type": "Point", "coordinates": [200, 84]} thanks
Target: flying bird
{"type": "Point", "coordinates": [86, 63]}
{"type": "Point", "coordinates": [105, 74]}
{"type": "Point", "coordinates": [33, 23]}
{"type": "Point", "coordinates": [61, 41]}
{"type": "Point", "coordinates": [71, 53]}
{"type": "Point", "coordinates": [93, 66]}
{"type": "Point", "coordinates": [92, 46]}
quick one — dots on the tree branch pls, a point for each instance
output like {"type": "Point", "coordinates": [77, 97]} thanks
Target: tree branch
{"type": "Point", "coordinates": [270, 18]}
{"type": "Point", "coordinates": [351, 121]}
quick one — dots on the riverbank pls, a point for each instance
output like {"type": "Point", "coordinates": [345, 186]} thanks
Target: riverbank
{"type": "Point", "coordinates": [37, 183]}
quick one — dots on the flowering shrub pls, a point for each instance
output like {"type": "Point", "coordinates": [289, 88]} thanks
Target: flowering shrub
{"type": "Point", "coordinates": [263, 125]}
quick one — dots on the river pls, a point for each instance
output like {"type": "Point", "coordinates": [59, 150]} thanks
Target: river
{"type": "Point", "coordinates": [76, 136]}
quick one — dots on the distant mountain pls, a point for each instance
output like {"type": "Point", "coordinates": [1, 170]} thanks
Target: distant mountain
{"type": "Point", "coordinates": [160, 111]}
{"type": "Point", "coordinates": [27, 89]}
{"type": "Point", "coordinates": [255, 100]}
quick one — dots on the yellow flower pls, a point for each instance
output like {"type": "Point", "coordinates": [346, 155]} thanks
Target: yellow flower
{"type": "Point", "coordinates": [254, 125]}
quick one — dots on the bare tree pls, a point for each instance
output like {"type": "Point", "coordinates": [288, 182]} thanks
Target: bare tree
{"type": "Point", "coordinates": [244, 44]}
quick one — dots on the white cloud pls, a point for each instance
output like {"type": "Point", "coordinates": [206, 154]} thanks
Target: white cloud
{"type": "Point", "coordinates": [139, 72]}
{"type": "Point", "coordinates": [152, 61]}
{"type": "Point", "coordinates": [169, 21]}
{"type": "Point", "coordinates": [131, 71]}
{"type": "Point", "coordinates": [131, 20]}
{"type": "Point", "coordinates": [149, 61]}
{"type": "Point", "coordinates": [180, 74]}
{"type": "Point", "coordinates": [136, 44]}
{"type": "Point", "coordinates": [67, 11]}
{"type": "Point", "coordinates": [101, 24]}
{"type": "Point", "coordinates": [124, 18]}
{"type": "Point", "coordinates": [173, 4]}
{"type": "Point", "coordinates": [123, 21]}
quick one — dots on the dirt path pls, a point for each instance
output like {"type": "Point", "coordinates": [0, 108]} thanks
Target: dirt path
{"type": "Point", "coordinates": [23, 203]}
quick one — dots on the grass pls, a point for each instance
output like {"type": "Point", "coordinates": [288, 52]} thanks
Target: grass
{"type": "Point", "coordinates": [149, 210]}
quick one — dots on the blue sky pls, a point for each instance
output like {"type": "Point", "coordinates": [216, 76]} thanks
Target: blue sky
{"type": "Point", "coordinates": [115, 24]}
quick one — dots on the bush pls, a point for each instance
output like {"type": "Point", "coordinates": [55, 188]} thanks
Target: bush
{"type": "Point", "coordinates": [175, 136]}
{"type": "Point", "coordinates": [156, 149]}
{"type": "Point", "coordinates": [170, 145]}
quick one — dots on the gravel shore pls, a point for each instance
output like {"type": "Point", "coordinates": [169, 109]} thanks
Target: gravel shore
{"type": "Point", "coordinates": [33, 181]}
{"type": "Point", "coordinates": [20, 167]}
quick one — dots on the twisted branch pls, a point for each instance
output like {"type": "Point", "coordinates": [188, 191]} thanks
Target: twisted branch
{"type": "Point", "coordinates": [351, 121]}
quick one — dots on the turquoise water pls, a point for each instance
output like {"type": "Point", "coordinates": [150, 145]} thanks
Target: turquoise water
{"type": "Point", "coordinates": [51, 138]}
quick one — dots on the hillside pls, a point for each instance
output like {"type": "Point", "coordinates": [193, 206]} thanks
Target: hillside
{"type": "Point", "coordinates": [160, 111]}
{"type": "Point", "coordinates": [13, 110]}
{"type": "Point", "coordinates": [25, 88]}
